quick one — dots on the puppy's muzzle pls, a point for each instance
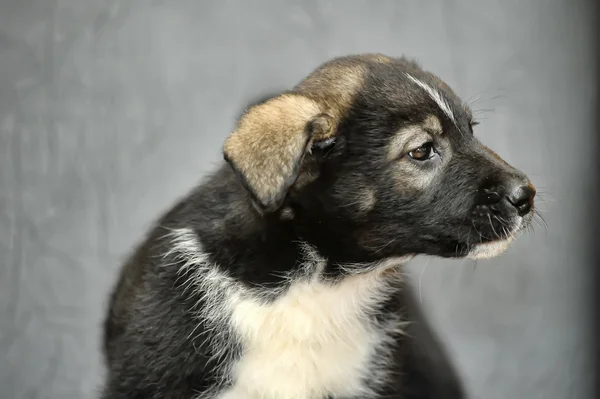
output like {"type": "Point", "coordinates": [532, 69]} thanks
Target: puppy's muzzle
{"type": "Point", "coordinates": [521, 197]}
{"type": "Point", "coordinates": [503, 206]}
{"type": "Point", "coordinates": [514, 193]}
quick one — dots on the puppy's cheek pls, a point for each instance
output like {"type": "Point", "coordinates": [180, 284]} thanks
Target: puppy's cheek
{"type": "Point", "coordinates": [409, 180]}
{"type": "Point", "coordinates": [367, 199]}
{"type": "Point", "coordinates": [355, 196]}
{"type": "Point", "coordinates": [360, 201]}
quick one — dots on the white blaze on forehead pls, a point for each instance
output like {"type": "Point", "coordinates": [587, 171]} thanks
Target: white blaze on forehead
{"type": "Point", "coordinates": [435, 96]}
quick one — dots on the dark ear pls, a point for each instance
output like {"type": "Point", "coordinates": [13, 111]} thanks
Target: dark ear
{"type": "Point", "coordinates": [269, 143]}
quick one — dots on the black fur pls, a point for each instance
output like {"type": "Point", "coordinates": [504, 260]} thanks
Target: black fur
{"type": "Point", "coordinates": [149, 352]}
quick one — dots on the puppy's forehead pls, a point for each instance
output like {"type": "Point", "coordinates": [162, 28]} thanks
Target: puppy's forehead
{"type": "Point", "coordinates": [336, 83]}
{"type": "Point", "coordinates": [396, 82]}
{"type": "Point", "coordinates": [421, 89]}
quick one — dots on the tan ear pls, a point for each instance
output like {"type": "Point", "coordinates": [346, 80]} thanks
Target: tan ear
{"type": "Point", "coordinates": [270, 141]}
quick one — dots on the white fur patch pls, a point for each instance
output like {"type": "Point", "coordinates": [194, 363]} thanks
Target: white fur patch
{"type": "Point", "coordinates": [489, 250]}
{"type": "Point", "coordinates": [435, 96]}
{"type": "Point", "coordinates": [313, 340]}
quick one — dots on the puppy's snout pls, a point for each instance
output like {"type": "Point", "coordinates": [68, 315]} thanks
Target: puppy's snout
{"type": "Point", "coordinates": [521, 197]}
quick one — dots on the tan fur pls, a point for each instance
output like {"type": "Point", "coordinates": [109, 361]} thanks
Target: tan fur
{"type": "Point", "coordinates": [408, 178]}
{"type": "Point", "coordinates": [367, 199]}
{"type": "Point", "coordinates": [432, 124]}
{"type": "Point", "coordinates": [335, 84]}
{"type": "Point", "coordinates": [405, 139]}
{"type": "Point", "coordinates": [270, 141]}
{"type": "Point", "coordinates": [384, 59]}
{"type": "Point", "coordinates": [413, 136]}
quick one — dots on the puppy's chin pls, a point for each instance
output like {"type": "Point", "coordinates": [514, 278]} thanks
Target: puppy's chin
{"type": "Point", "coordinates": [496, 248]}
{"type": "Point", "coordinates": [489, 250]}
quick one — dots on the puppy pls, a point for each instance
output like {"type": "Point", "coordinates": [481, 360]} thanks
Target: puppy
{"type": "Point", "coordinates": [280, 276]}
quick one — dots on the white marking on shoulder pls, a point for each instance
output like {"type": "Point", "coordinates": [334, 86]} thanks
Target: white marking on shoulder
{"type": "Point", "coordinates": [315, 339]}
{"type": "Point", "coordinates": [435, 96]}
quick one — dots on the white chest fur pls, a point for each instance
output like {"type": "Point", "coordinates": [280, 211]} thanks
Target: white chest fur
{"type": "Point", "coordinates": [313, 341]}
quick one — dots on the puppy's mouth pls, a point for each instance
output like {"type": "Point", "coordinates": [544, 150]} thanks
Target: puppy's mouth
{"type": "Point", "coordinates": [497, 241]}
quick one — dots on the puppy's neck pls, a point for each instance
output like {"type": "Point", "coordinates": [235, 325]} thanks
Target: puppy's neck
{"type": "Point", "coordinates": [264, 249]}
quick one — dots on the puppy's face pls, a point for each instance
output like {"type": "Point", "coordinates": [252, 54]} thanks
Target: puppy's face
{"type": "Point", "coordinates": [373, 157]}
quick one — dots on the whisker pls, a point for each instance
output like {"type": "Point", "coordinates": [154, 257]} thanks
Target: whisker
{"type": "Point", "coordinates": [384, 246]}
{"type": "Point", "coordinates": [543, 196]}
{"type": "Point", "coordinates": [503, 225]}
{"type": "Point", "coordinates": [539, 220]}
{"type": "Point", "coordinates": [492, 225]}
{"type": "Point", "coordinates": [541, 217]}
{"type": "Point", "coordinates": [483, 110]}
{"type": "Point", "coordinates": [477, 231]}
{"type": "Point", "coordinates": [474, 99]}
{"type": "Point", "coordinates": [468, 239]}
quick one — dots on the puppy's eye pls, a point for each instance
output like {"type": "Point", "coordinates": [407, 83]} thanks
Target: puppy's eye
{"type": "Point", "coordinates": [422, 153]}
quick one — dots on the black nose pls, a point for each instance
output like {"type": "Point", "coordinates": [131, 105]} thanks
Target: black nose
{"type": "Point", "coordinates": [521, 198]}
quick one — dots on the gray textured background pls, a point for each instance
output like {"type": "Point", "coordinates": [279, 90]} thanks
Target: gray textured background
{"type": "Point", "coordinates": [110, 110]}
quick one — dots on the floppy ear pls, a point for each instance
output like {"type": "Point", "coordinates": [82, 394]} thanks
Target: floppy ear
{"type": "Point", "coordinates": [269, 143]}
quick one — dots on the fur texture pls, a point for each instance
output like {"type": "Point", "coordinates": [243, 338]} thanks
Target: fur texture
{"type": "Point", "coordinates": [280, 276]}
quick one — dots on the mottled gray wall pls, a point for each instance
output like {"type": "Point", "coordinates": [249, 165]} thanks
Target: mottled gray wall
{"type": "Point", "coordinates": [110, 110]}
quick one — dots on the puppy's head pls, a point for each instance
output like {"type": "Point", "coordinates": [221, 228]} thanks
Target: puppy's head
{"type": "Point", "coordinates": [372, 157]}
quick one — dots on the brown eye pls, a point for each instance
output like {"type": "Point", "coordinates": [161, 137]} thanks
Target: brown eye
{"type": "Point", "coordinates": [422, 153]}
